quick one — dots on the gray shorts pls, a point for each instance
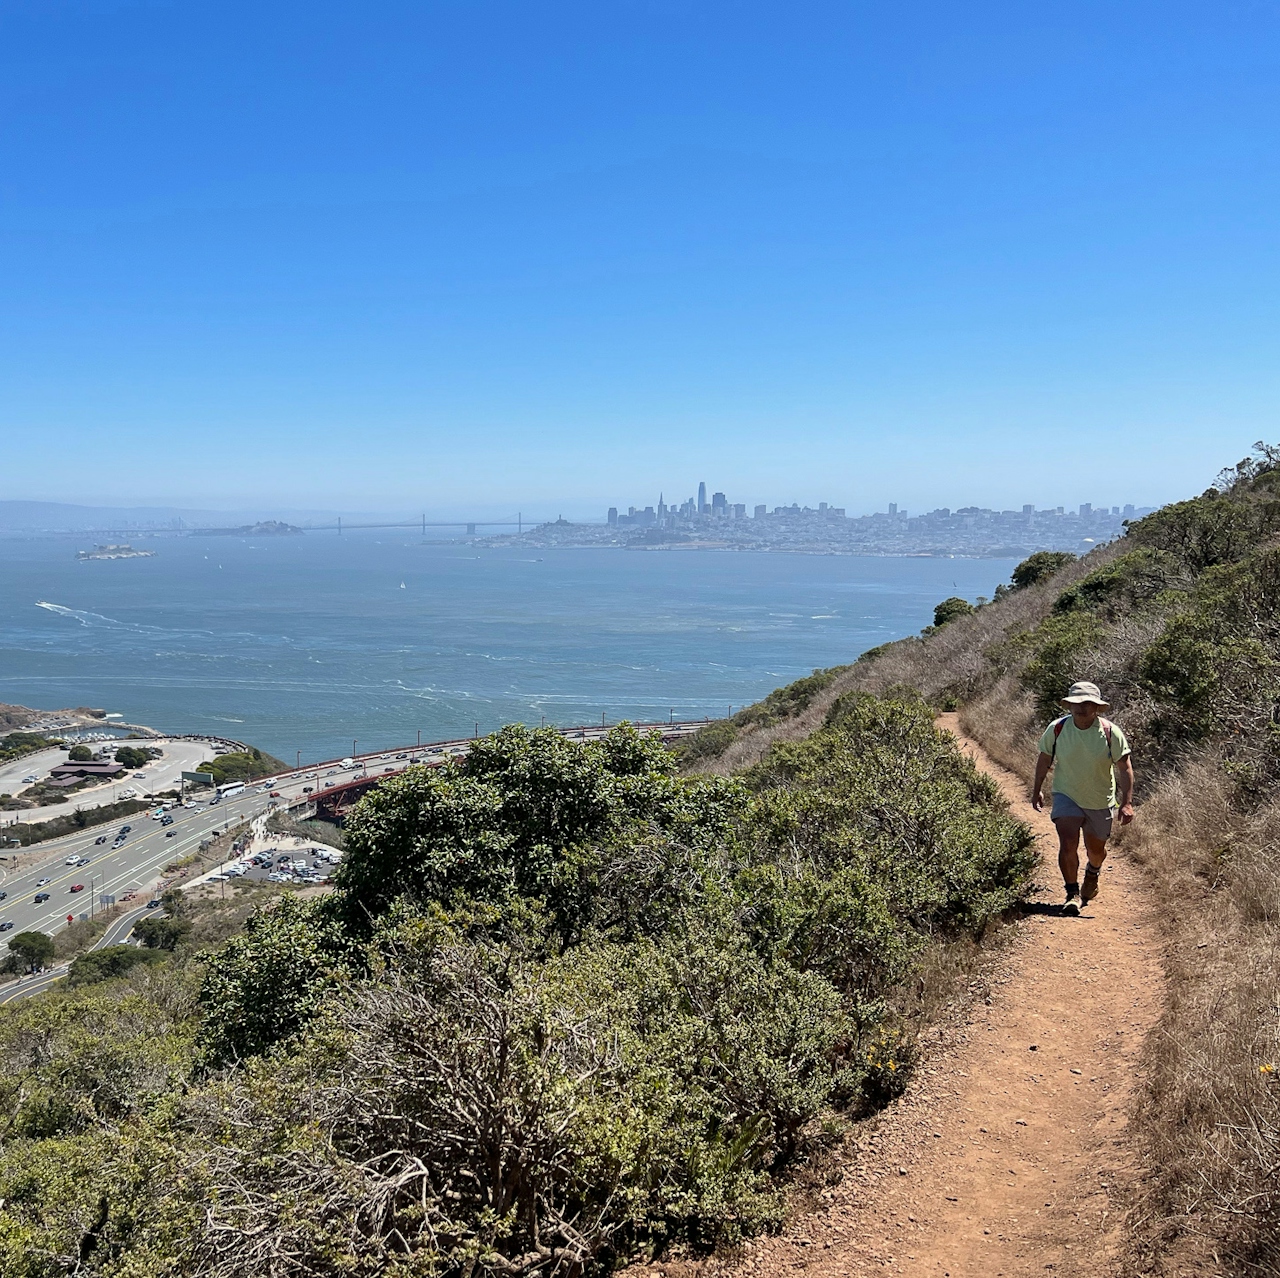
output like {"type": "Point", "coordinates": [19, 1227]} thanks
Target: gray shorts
{"type": "Point", "coordinates": [1096, 820]}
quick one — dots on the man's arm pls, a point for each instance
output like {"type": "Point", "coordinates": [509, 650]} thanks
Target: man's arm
{"type": "Point", "coordinates": [1043, 764]}
{"type": "Point", "coordinates": [1124, 788]}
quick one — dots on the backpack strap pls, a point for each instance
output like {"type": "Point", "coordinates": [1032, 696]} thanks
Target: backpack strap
{"type": "Point", "coordinates": [1106, 731]}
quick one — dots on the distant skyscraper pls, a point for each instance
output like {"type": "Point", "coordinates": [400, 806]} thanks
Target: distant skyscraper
{"type": "Point", "coordinates": [719, 504]}
{"type": "Point", "coordinates": [893, 507]}
{"type": "Point", "coordinates": [1028, 510]}
{"type": "Point", "coordinates": [761, 511]}
{"type": "Point", "coordinates": [1086, 508]}
{"type": "Point", "coordinates": [702, 498]}
{"type": "Point", "coordinates": [613, 516]}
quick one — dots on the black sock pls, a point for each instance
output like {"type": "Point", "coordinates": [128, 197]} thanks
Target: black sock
{"type": "Point", "coordinates": [1073, 889]}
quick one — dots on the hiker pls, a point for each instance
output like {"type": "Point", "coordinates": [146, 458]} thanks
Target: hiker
{"type": "Point", "coordinates": [1088, 754]}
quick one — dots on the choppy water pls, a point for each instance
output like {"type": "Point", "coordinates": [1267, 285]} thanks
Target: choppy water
{"type": "Point", "coordinates": [307, 643]}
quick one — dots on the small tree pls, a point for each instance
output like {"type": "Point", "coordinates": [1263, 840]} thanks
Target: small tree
{"type": "Point", "coordinates": [162, 934]}
{"type": "Point", "coordinates": [950, 609]}
{"type": "Point", "coordinates": [1039, 567]}
{"type": "Point", "coordinates": [79, 754]}
{"type": "Point", "coordinates": [132, 757]}
{"type": "Point", "coordinates": [32, 949]}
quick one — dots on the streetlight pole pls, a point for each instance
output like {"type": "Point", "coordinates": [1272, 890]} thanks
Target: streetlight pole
{"type": "Point", "coordinates": [299, 758]}
{"type": "Point", "coordinates": [419, 746]}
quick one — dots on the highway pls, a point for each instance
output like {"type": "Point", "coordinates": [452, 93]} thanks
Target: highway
{"type": "Point", "coordinates": [136, 866]}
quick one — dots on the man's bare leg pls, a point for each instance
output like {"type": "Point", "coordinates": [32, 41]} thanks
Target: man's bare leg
{"type": "Point", "coordinates": [1069, 829]}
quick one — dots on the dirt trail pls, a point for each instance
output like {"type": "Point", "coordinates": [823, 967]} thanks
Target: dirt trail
{"type": "Point", "coordinates": [1008, 1154]}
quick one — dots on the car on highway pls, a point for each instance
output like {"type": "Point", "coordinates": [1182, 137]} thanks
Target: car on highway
{"type": "Point", "coordinates": [77, 887]}
{"type": "Point", "coordinates": [42, 882]}
{"type": "Point", "coordinates": [102, 838]}
{"type": "Point", "coordinates": [28, 780]}
{"type": "Point", "coordinates": [306, 789]}
{"type": "Point", "coordinates": [73, 859]}
{"type": "Point", "coordinates": [6, 926]}
{"type": "Point", "coordinates": [154, 903]}
{"type": "Point", "coordinates": [169, 834]}
{"type": "Point", "coordinates": [402, 756]}
{"type": "Point", "coordinates": [166, 820]}
{"type": "Point", "coordinates": [275, 794]}
{"type": "Point", "coordinates": [3, 895]}
{"type": "Point", "coordinates": [41, 897]}
{"type": "Point", "coordinates": [126, 829]}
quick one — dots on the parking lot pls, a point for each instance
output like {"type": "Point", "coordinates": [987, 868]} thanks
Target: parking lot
{"type": "Point", "coordinates": [304, 866]}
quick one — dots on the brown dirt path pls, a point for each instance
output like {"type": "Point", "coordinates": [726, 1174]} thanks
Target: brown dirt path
{"type": "Point", "coordinates": [1008, 1155]}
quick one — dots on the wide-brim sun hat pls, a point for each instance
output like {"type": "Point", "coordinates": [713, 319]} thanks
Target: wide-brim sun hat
{"type": "Point", "coordinates": [1083, 692]}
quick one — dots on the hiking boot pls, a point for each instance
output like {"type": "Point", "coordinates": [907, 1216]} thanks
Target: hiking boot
{"type": "Point", "coordinates": [1089, 888]}
{"type": "Point", "coordinates": [1072, 904]}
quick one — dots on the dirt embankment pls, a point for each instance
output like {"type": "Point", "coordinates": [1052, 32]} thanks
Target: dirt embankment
{"type": "Point", "coordinates": [1009, 1153]}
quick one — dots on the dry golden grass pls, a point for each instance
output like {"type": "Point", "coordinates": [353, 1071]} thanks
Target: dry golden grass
{"type": "Point", "coordinates": [1210, 1117]}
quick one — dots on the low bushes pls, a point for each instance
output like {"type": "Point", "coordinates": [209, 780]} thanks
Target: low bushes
{"type": "Point", "coordinates": [564, 1006]}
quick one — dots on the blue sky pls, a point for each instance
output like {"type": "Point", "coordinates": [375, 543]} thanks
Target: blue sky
{"type": "Point", "coordinates": [557, 256]}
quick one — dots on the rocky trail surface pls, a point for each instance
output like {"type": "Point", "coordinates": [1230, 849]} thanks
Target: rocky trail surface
{"type": "Point", "coordinates": [1008, 1155]}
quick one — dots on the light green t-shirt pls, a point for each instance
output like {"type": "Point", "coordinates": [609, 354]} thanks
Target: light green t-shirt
{"type": "Point", "coordinates": [1082, 764]}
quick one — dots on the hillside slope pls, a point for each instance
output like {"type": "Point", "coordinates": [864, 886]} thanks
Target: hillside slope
{"type": "Point", "coordinates": [1179, 623]}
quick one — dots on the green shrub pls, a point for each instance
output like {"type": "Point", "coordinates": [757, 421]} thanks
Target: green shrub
{"type": "Point", "coordinates": [242, 765]}
{"type": "Point", "coordinates": [1056, 647]}
{"type": "Point", "coordinates": [1209, 530]}
{"type": "Point", "coordinates": [267, 984]}
{"type": "Point", "coordinates": [104, 964]}
{"type": "Point", "coordinates": [950, 609]}
{"type": "Point", "coordinates": [1040, 567]}
{"type": "Point", "coordinates": [1132, 581]}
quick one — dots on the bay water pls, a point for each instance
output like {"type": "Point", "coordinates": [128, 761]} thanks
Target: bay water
{"type": "Point", "coordinates": [320, 643]}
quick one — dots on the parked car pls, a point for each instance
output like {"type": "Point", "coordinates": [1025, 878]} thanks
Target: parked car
{"type": "Point", "coordinates": [28, 780]}
{"type": "Point", "coordinates": [77, 887]}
